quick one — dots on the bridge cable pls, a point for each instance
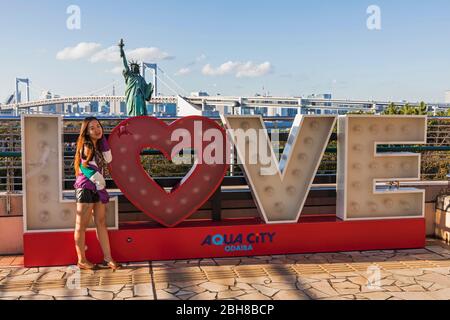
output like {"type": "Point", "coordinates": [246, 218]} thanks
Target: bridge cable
{"type": "Point", "coordinates": [173, 81]}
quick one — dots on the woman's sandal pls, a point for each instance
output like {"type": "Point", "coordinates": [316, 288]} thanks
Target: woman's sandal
{"type": "Point", "coordinates": [111, 265]}
{"type": "Point", "coordinates": [86, 265]}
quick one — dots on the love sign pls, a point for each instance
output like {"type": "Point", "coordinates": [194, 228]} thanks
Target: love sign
{"type": "Point", "coordinates": [279, 186]}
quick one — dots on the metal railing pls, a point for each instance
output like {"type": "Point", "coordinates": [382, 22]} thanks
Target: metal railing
{"type": "Point", "coordinates": [435, 154]}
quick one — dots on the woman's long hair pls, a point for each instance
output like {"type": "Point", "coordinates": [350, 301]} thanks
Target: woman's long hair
{"type": "Point", "coordinates": [84, 142]}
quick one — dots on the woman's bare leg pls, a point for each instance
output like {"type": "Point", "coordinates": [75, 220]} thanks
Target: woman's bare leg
{"type": "Point", "coordinates": [84, 215]}
{"type": "Point", "coordinates": [102, 230]}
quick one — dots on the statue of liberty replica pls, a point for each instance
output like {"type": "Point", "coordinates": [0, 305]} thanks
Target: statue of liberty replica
{"type": "Point", "coordinates": [137, 91]}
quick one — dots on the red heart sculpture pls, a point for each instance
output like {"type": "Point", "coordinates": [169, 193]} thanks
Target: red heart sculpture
{"type": "Point", "coordinates": [133, 135]}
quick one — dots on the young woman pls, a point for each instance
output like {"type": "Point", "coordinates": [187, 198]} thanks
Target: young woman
{"type": "Point", "coordinates": [91, 159]}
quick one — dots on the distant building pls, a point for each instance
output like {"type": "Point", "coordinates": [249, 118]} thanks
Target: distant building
{"type": "Point", "coordinates": [123, 108]}
{"type": "Point", "coordinates": [93, 107]}
{"type": "Point", "coordinates": [306, 102]}
{"type": "Point", "coordinates": [76, 108]}
{"type": "Point", "coordinates": [199, 94]}
{"type": "Point", "coordinates": [105, 108]}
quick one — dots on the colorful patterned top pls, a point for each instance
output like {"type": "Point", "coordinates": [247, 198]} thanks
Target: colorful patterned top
{"type": "Point", "coordinates": [91, 176]}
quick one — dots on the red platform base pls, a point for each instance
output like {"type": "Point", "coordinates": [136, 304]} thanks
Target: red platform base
{"type": "Point", "coordinates": [232, 238]}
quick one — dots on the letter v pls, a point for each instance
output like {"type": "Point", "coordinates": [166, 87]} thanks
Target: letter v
{"type": "Point", "coordinates": [281, 189]}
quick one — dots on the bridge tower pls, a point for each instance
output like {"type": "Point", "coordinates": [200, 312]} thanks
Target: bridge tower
{"type": "Point", "coordinates": [154, 67]}
{"type": "Point", "coordinates": [26, 81]}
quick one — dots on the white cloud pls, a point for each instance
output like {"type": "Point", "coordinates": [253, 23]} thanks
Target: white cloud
{"type": "Point", "coordinates": [149, 54]}
{"type": "Point", "coordinates": [251, 70]}
{"type": "Point", "coordinates": [112, 54]}
{"type": "Point", "coordinates": [116, 70]}
{"type": "Point", "coordinates": [226, 68]}
{"type": "Point", "coordinates": [183, 72]}
{"type": "Point", "coordinates": [80, 51]}
{"type": "Point", "coordinates": [239, 69]}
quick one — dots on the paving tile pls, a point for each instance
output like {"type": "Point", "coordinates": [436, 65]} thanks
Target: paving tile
{"type": "Point", "coordinates": [214, 287]}
{"type": "Point", "coordinates": [413, 295]}
{"type": "Point", "coordinates": [17, 294]}
{"type": "Point", "coordinates": [402, 281]}
{"type": "Point", "coordinates": [443, 294]}
{"type": "Point", "coordinates": [325, 288]}
{"type": "Point", "coordinates": [53, 275]}
{"type": "Point", "coordinates": [163, 295]}
{"type": "Point", "coordinates": [283, 279]}
{"type": "Point", "coordinates": [257, 280]}
{"type": "Point", "coordinates": [243, 286]}
{"type": "Point", "coordinates": [392, 289]}
{"type": "Point", "coordinates": [436, 287]}
{"type": "Point", "coordinates": [230, 294]}
{"type": "Point", "coordinates": [232, 262]}
{"type": "Point", "coordinates": [24, 277]}
{"type": "Point", "coordinates": [253, 296]}
{"type": "Point", "coordinates": [444, 271]}
{"type": "Point", "coordinates": [143, 290]}
{"type": "Point", "coordinates": [172, 289]}
{"type": "Point", "coordinates": [6, 261]}
{"type": "Point", "coordinates": [435, 278]}
{"type": "Point", "coordinates": [225, 282]}
{"type": "Point", "coordinates": [161, 285]}
{"type": "Point", "coordinates": [267, 258]}
{"type": "Point", "coordinates": [195, 289]}
{"type": "Point", "coordinates": [265, 290]}
{"type": "Point", "coordinates": [408, 272]}
{"type": "Point", "coordinates": [290, 295]}
{"type": "Point", "coordinates": [282, 285]}
{"type": "Point", "coordinates": [302, 280]}
{"type": "Point", "coordinates": [141, 298]}
{"type": "Point", "coordinates": [31, 270]}
{"type": "Point", "coordinates": [339, 298]}
{"type": "Point", "coordinates": [412, 251]}
{"type": "Point", "coordinates": [124, 294]}
{"type": "Point", "coordinates": [207, 262]}
{"type": "Point", "coordinates": [438, 250]}
{"type": "Point", "coordinates": [184, 284]}
{"type": "Point", "coordinates": [205, 296]}
{"type": "Point", "coordinates": [345, 288]}
{"type": "Point", "coordinates": [362, 281]}
{"type": "Point", "coordinates": [374, 295]}
{"type": "Point", "coordinates": [101, 295]}
{"type": "Point", "coordinates": [59, 293]}
{"type": "Point", "coordinates": [186, 296]}
{"type": "Point", "coordinates": [425, 284]}
{"type": "Point", "coordinates": [18, 261]}
{"type": "Point", "coordinates": [109, 288]}
{"type": "Point", "coordinates": [344, 274]}
{"type": "Point", "coordinates": [75, 298]}
{"type": "Point", "coordinates": [413, 288]}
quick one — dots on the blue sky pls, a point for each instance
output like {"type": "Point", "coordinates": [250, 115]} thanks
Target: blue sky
{"type": "Point", "coordinates": [287, 47]}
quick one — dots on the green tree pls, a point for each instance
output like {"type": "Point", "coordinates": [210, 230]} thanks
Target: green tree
{"type": "Point", "coordinates": [391, 109]}
{"type": "Point", "coordinates": [422, 109]}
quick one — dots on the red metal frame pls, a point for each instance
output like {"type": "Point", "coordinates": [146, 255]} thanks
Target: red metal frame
{"type": "Point", "coordinates": [152, 242]}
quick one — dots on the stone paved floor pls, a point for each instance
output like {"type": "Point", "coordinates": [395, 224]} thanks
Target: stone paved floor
{"type": "Point", "coordinates": [376, 275]}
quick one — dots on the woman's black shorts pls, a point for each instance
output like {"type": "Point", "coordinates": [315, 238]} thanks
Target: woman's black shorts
{"type": "Point", "coordinates": [86, 196]}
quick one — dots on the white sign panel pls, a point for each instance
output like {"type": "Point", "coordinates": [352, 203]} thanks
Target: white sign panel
{"type": "Point", "coordinates": [45, 210]}
{"type": "Point", "coordinates": [280, 188]}
{"type": "Point", "coordinates": [360, 167]}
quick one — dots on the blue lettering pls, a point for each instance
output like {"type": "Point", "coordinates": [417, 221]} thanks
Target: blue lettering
{"type": "Point", "coordinates": [217, 240]}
